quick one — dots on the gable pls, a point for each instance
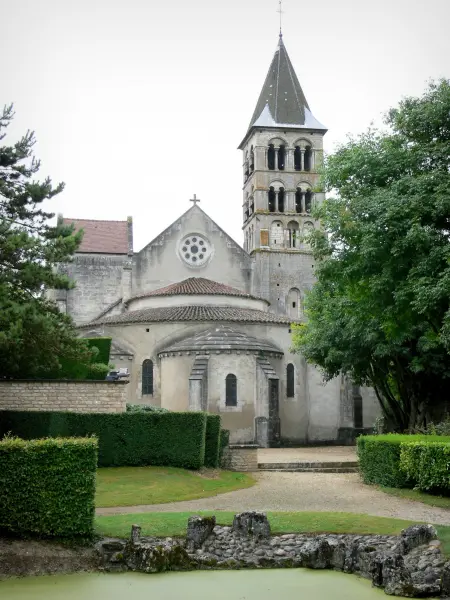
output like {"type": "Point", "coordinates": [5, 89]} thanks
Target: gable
{"type": "Point", "coordinates": [193, 246]}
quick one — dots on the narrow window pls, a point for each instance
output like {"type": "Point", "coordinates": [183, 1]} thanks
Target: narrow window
{"type": "Point", "coordinates": [358, 412]}
{"type": "Point", "coordinates": [271, 200]}
{"type": "Point", "coordinates": [271, 158]}
{"type": "Point", "coordinates": [231, 390]}
{"type": "Point", "coordinates": [308, 201]}
{"type": "Point", "coordinates": [281, 200]}
{"type": "Point", "coordinates": [290, 387]}
{"type": "Point", "coordinates": [147, 377]}
{"type": "Point", "coordinates": [281, 157]}
{"type": "Point", "coordinates": [298, 200]}
{"type": "Point", "coordinates": [252, 160]}
{"type": "Point", "coordinates": [297, 159]}
{"type": "Point", "coordinates": [307, 158]}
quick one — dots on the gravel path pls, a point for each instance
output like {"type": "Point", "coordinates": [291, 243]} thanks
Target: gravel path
{"type": "Point", "coordinates": [303, 492]}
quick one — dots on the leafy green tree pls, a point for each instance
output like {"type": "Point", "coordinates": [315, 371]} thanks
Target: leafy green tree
{"type": "Point", "coordinates": [34, 336]}
{"type": "Point", "coordinates": [379, 311]}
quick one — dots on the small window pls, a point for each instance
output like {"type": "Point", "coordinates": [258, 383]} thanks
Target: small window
{"type": "Point", "coordinates": [271, 199]}
{"type": "Point", "coordinates": [147, 378]}
{"type": "Point", "coordinates": [307, 159]}
{"type": "Point", "coordinates": [271, 158]}
{"type": "Point", "coordinates": [281, 158]}
{"type": "Point", "coordinates": [231, 390]}
{"type": "Point", "coordinates": [297, 159]}
{"type": "Point", "coordinates": [294, 304]}
{"type": "Point", "coordinates": [290, 387]}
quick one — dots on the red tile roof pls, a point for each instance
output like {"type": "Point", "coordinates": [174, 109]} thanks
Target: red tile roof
{"type": "Point", "coordinates": [195, 286]}
{"type": "Point", "coordinates": [102, 237]}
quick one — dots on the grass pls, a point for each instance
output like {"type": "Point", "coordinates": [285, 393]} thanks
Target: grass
{"type": "Point", "coordinates": [130, 486]}
{"type": "Point", "coordinates": [174, 524]}
{"type": "Point", "coordinates": [439, 501]}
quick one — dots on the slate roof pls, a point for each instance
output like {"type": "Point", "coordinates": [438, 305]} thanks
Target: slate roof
{"type": "Point", "coordinates": [102, 237]}
{"type": "Point", "coordinates": [191, 313]}
{"type": "Point", "coordinates": [222, 337]}
{"type": "Point", "coordinates": [282, 101]}
{"type": "Point", "coordinates": [195, 286]}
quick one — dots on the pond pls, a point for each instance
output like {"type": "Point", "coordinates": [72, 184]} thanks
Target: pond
{"type": "Point", "coordinates": [288, 584]}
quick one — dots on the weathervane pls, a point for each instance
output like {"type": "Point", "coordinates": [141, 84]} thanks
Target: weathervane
{"type": "Point", "coordinates": [280, 2]}
{"type": "Point", "coordinates": [195, 200]}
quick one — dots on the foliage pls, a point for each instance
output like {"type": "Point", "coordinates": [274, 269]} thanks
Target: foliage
{"type": "Point", "coordinates": [48, 486]}
{"type": "Point", "coordinates": [379, 311]}
{"type": "Point", "coordinates": [418, 496]}
{"type": "Point", "coordinates": [94, 367]}
{"type": "Point", "coordinates": [381, 462]}
{"type": "Point", "coordinates": [212, 441]}
{"type": "Point", "coordinates": [129, 486]}
{"type": "Point", "coordinates": [103, 348]}
{"type": "Point", "coordinates": [125, 439]}
{"type": "Point", "coordinates": [441, 428]}
{"type": "Point", "coordinates": [145, 408]}
{"type": "Point", "coordinates": [224, 442]}
{"type": "Point", "coordinates": [34, 335]}
{"type": "Point", "coordinates": [427, 464]}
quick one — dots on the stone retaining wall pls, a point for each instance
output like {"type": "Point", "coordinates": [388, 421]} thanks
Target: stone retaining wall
{"type": "Point", "coordinates": [241, 458]}
{"type": "Point", "coordinates": [71, 396]}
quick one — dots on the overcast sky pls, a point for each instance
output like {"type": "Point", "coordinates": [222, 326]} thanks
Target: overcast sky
{"type": "Point", "coordinates": [138, 104]}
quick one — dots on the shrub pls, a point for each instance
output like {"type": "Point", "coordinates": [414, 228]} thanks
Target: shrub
{"type": "Point", "coordinates": [441, 428]}
{"type": "Point", "coordinates": [427, 464]}
{"type": "Point", "coordinates": [379, 458]}
{"type": "Point", "coordinates": [224, 442]}
{"type": "Point", "coordinates": [48, 486]}
{"type": "Point", "coordinates": [212, 441]}
{"type": "Point", "coordinates": [103, 346]}
{"type": "Point", "coordinates": [125, 439]}
{"type": "Point", "coordinates": [145, 408]}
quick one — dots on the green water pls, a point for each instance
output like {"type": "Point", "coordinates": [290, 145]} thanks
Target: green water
{"type": "Point", "coordinates": [278, 584]}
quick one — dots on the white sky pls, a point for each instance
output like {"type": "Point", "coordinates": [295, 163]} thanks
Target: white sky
{"type": "Point", "coordinates": [138, 104]}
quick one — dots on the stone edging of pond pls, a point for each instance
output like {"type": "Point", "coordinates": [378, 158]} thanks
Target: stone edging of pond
{"type": "Point", "coordinates": [410, 565]}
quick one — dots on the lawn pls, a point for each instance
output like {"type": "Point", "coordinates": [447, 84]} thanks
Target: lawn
{"type": "Point", "coordinates": [174, 524]}
{"type": "Point", "coordinates": [440, 501]}
{"type": "Point", "coordinates": [129, 486]}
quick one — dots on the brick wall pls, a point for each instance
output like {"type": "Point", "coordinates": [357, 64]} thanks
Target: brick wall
{"type": "Point", "coordinates": [72, 396]}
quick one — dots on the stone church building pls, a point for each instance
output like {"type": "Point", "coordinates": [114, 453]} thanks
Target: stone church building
{"type": "Point", "coordinates": [205, 324]}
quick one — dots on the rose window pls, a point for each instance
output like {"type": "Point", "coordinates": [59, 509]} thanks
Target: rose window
{"type": "Point", "coordinates": [195, 250]}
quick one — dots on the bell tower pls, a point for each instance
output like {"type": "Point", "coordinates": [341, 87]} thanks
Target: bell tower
{"type": "Point", "coordinates": [282, 151]}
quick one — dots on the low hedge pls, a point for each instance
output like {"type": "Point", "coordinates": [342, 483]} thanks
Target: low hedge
{"type": "Point", "coordinates": [212, 441]}
{"type": "Point", "coordinates": [379, 458]}
{"type": "Point", "coordinates": [427, 464]}
{"type": "Point", "coordinates": [125, 439]}
{"type": "Point", "coordinates": [48, 487]}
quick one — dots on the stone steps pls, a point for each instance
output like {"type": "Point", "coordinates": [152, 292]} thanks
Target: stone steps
{"type": "Point", "coordinates": [311, 467]}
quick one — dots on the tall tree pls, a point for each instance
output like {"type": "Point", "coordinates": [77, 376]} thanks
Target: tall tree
{"type": "Point", "coordinates": [34, 335]}
{"type": "Point", "coordinates": [379, 311]}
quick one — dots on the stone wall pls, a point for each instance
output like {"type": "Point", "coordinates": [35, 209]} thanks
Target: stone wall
{"type": "Point", "coordinates": [71, 396]}
{"type": "Point", "coordinates": [241, 458]}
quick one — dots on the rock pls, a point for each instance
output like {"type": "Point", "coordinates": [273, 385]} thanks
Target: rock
{"type": "Point", "coordinates": [280, 552]}
{"type": "Point", "coordinates": [317, 554]}
{"type": "Point", "coordinates": [113, 546]}
{"type": "Point", "coordinates": [252, 523]}
{"type": "Point", "coordinates": [198, 530]}
{"type": "Point", "coordinates": [446, 580]}
{"type": "Point", "coordinates": [417, 535]}
{"type": "Point", "coordinates": [135, 533]}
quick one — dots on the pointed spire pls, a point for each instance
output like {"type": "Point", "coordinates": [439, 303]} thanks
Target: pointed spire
{"type": "Point", "coordinates": [282, 101]}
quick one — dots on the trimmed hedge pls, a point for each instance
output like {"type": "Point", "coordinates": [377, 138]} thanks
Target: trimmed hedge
{"type": "Point", "coordinates": [48, 487]}
{"type": "Point", "coordinates": [103, 345]}
{"type": "Point", "coordinates": [125, 439]}
{"type": "Point", "coordinates": [212, 441]}
{"type": "Point", "coordinates": [379, 458]}
{"type": "Point", "coordinates": [427, 464]}
{"type": "Point", "coordinates": [224, 442]}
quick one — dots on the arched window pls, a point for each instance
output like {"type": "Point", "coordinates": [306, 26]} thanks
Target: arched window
{"type": "Point", "coordinates": [290, 384]}
{"type": "Point", "coordinates": [298, 200]}
{"type": "Point", "coordinates": [294, 234]}
{"type": "Point", "coordinates": [252, 160]}
{"type": "Point", "coordinates": [230, 390]}
{"type": "Point", "coordinates": [307, 158]}
{"type": "Point", "coordinates": [271, 158]}
{"type": "Point", "coordinates": [281, 157]}
{"type": "Point", "coordinates": [308, 201]}
{"type": "Point", "coordinates": [271, 199]}
{"type": "Point", "coordinates": [281, 200]}
{"type": "Point", "coordinates": [147, 377]}
{"type": "Point", "coordinates": [297, 159]}
{"type": "Point", "coordinates": [276, 234]}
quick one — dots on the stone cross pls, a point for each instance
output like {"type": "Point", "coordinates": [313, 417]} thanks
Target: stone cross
{"type": "Point", "coordinates": [195, 200]}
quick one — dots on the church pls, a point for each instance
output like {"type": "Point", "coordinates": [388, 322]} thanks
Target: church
{"type": "Point", "coordinates": [202, 323]}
